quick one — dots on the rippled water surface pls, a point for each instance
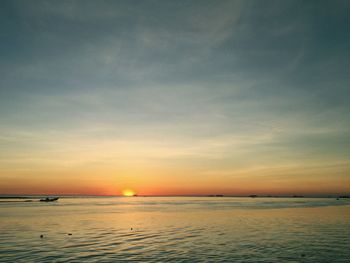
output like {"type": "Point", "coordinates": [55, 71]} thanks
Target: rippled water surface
{"type": "Point", "coordinates": [176, 229]}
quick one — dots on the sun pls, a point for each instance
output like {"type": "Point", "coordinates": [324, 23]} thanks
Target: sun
{"type": "Point", "coordinates": [128, 192]}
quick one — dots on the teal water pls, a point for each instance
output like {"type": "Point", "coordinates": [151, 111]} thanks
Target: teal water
{"type": "Point", "coordinates": [176, 229]}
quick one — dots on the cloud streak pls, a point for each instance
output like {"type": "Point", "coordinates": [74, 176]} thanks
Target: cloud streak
{"type": "Point", "coordinates": [199, 87]}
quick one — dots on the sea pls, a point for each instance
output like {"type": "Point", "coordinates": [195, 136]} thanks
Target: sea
{"type": "Point", "coordinates": [175, 229]}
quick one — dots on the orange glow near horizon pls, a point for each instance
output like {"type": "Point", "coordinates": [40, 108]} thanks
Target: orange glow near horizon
{"type": "Point", "coordinates": [158, 178]}
{"type": "Point", "coordinates": [128, 192]}
{"type": "Point", "coordinates": [167, 182]}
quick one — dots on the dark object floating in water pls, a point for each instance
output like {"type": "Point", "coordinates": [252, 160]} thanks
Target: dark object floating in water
{"type": "Point", "coordinates": [130, 228]}
{"type": "Point", "coordinates": [298, 196]}
{"type": "Point", "coordinates": [69, 234]}
{"type": "Point", "coordinates": [344, 196]}
{"type": "Point", "coordinates": [41, 236]}
{"type": "Point", "coordinates": [253, 196]}
{"type": "Point", "coordinates": [49, 199]}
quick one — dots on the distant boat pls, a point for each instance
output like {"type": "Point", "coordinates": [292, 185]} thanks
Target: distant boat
{"type": "Point", "coordinates": [49, 199]}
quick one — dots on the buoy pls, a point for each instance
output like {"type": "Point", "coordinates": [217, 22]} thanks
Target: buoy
{"type": "Point", "coordinates": [69, 234]}
{"type": "Point", "coordinates": [41, 236]}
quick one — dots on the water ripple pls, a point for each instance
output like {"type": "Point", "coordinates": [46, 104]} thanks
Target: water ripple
{"type": "Point", "coordinates": [218, 232]}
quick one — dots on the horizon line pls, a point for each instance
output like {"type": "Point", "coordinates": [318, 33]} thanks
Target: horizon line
{"type": "Point", "coordinates": [177, 195]}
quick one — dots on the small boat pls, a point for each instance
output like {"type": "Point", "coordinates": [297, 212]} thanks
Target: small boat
{"type": "Point", "coordinates": [49, 199]}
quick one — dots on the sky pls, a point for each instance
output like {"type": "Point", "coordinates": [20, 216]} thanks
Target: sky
{"type": "Point", "coordinates": [175, 97]}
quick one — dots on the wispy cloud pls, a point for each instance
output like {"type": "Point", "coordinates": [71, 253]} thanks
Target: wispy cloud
{"type": "Point", "coordinates": [201, 86]}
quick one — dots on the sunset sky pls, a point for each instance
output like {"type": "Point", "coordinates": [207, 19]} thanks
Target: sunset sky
{"type": "Point", "coordinates": [175, 97]}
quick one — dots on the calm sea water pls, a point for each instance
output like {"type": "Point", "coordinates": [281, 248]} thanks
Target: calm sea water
{"type": "Point", "coordinates": [176, 229]}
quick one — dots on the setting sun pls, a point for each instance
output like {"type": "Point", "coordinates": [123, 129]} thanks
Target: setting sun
{"type": "Point", "coordinates": [128, 192]}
